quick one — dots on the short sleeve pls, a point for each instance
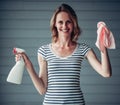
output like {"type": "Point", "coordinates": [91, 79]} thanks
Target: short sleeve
{"type": "Point", "coordinates": [42, 52]}
{"type": "Point", "coordinates": [85, 49]}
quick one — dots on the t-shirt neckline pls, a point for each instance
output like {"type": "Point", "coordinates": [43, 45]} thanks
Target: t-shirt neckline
{"type": "Point", "coordinates": [50, 47]}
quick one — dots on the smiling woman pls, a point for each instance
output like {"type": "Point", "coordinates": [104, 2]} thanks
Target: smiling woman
{"type": "Point", "coordinates": [60, 61]}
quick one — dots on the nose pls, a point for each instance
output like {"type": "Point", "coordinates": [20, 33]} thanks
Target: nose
{"type": "Point", "coordinates": [65, 25]}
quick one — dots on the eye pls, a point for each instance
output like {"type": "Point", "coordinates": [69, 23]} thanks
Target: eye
{"type": "Point", "coordinates": [69, 21]}
{"type": "Point", "coordinates": [60, 22]}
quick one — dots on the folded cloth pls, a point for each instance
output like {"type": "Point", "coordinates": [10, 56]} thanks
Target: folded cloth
{"type": "Point", "coordinates": [105, 37]}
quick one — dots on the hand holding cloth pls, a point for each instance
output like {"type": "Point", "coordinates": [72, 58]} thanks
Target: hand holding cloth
{"type": "Point", "coordinates": [105, 37]}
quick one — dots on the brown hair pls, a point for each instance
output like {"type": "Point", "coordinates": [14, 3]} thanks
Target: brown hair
{"type": "Point", "coordinates": [76, 31]}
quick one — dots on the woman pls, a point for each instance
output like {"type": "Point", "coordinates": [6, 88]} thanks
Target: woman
{"type": "Point", "coordinates": [60, 61]}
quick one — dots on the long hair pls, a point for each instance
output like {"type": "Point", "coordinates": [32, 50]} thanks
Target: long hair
{"type": "Point", "coordinates": [76, 30]}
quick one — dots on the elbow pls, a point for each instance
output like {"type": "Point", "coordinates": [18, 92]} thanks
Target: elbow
{"type": "Point", "coordinates": [42, 92]}
{"type": "Point", "coordinates": [107, 75]}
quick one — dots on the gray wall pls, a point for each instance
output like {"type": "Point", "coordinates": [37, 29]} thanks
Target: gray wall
{"type": "Point", "coordinates": [25, 24]}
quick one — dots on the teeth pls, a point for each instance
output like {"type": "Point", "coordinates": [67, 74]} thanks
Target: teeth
{"type": "Point", "coordinates": [65, 30]}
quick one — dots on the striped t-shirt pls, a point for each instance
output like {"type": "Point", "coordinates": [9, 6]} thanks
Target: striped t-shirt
{"type": "Point", "coordinates": [64, 76]}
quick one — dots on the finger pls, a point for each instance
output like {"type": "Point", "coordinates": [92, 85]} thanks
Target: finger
{"type": "Point", "coordinates": [24, 56]}
{"type": "Point", "coordinates": [18, 57]}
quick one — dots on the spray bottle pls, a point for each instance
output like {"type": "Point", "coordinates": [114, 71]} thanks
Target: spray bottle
{"type": "Point", "coordinates": [16, 73]}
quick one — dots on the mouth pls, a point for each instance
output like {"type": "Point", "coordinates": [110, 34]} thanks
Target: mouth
{"type": "Point", "coordinates": [65, 30]}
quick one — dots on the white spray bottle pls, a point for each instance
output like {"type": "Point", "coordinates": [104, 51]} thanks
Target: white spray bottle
{"type": "Point", "coordinates": [16, 73]}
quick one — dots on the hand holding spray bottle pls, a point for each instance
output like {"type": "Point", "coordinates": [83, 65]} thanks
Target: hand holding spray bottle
{"type": "Point", "coordinates": [16, 73]}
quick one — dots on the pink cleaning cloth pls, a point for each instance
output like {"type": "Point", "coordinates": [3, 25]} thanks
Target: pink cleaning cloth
{"type": "Point", "coordinates": [105, 37]}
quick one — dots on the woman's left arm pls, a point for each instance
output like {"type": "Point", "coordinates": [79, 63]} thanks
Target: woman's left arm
{"type": "Point", "coordinates": [103, 67]}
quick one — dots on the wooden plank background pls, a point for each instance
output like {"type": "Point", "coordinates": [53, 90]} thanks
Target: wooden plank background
{"type": "Point", "coordinates": [25, 24]}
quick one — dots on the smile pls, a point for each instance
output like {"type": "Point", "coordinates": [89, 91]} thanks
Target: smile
{"type": "Point", "coordinates": [66, 30]}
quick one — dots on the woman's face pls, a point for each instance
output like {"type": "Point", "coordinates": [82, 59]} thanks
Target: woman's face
{"type": "Point", "coordinates": [64, 24]}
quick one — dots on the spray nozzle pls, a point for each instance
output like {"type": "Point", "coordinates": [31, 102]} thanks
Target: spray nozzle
{"type": "Point", "coordinates": [17, 50]}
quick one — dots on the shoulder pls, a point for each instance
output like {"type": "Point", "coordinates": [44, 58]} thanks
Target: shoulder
{"type": "Point", "coordinates": [83, 45]}
{"type": "Point", "coordinates": [42, 50]}
{"type": "Point", "coordinates": [43, 47]}
{"type": "Point", "coordinates": [83, 48]}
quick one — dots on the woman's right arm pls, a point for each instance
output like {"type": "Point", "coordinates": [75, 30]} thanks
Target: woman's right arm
{"type": "Point", "coordinates": [40, 82]}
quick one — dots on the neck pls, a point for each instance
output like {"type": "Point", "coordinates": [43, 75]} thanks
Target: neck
{"type": "Point", "coordinates": [64, 43]}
